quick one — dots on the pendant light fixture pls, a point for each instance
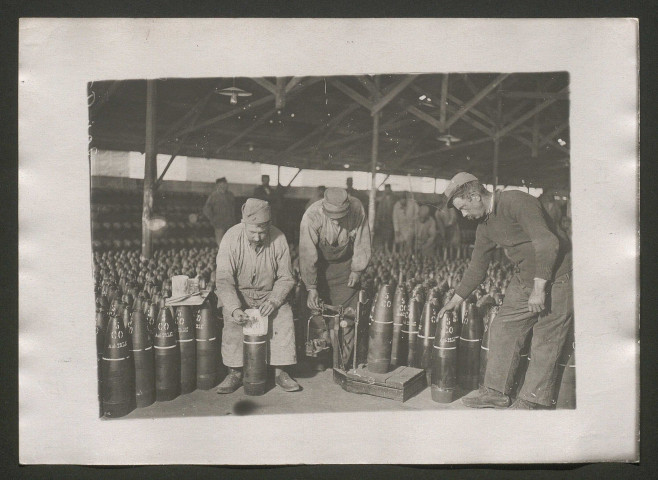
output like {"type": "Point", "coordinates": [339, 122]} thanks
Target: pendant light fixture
{"type": "Point", "coordinates": [233, 92]}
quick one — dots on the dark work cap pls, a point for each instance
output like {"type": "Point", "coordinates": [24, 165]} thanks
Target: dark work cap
{"type": "Point", "coordinates": [221, 180]}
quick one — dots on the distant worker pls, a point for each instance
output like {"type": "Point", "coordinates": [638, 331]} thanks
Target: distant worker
{"type": "Point", "coordinates": [538, 300]}
{"type": "Point", "coordinates": [425, 235]}
{"type": "Point", "coordinates": [318, 194]}
{"type": "Point", "coordinates": [447, 224]}
{"type": "Point", "coordinates": [334, 250]}
{"type": "Point", "coordinates": [349, 188]}
{"type": "Point", "coordinates": [254, 271]}
{"type": "Point", "coordinates": [384, 231]}
{"type": "Point", "coordinates": [405, 215]}
{"type": "Point", "coordinates": [220, 209]}
{"type": "Point", "coordinates": [268, 194]}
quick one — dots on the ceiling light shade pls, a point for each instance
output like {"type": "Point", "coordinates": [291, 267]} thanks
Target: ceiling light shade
{"type": "Point", "coordinates": [448, 139]}
{"type": "Point", "coordinates": [234, 93]}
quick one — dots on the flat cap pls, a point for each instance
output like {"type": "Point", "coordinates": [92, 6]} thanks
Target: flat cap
{"type": "Point", "coordinates": [335, 203]}
{"type": "Point", "coordinates": [457, 181]}
{"type": "Point", "coordinates": [255, 211]}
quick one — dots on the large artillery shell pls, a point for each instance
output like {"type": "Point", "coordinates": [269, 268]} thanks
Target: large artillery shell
{"type": "Point", "coordinates": [380, 333]}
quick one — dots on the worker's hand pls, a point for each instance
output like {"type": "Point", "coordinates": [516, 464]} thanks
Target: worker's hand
{"type": "Point", "coordinates": [354, 279]}
{"type": "Point", "coordinates": [267, 308]}
{"type": "Point", "coordinates": [313, 300]}
{"type": "Point", "coordinates": [453, 303]}
{"type": "Point", "coordinates": [537, 299]}
{"type": "Point", "coordinates": [240, 317]}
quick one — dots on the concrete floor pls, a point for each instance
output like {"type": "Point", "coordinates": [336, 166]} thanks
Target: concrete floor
{"type": "Point", "coordinates": [319, 394]}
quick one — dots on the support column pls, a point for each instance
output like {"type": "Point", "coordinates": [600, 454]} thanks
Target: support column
{"type": "Point", "coordinates": [150, 168]}
{"type": "Point", "coordinates": [495, 163]}
{"type": "Point", "coordinates": [499, 124]}
{"type": "Point", "coordinates": [373, 175]}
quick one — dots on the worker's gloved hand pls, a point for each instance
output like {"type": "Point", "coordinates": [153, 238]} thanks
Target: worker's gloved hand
{"type": "Point", "coordinates": [267, 308]}
{"type": "Point", "coordinates": [313, 300]}
{"type": "Point", "coordinates": [354, 279]}
{"type": "Point", "coordinates": [240, 317]}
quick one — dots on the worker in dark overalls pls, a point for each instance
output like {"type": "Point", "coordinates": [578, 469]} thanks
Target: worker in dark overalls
{"type": "Point", "coordinates": [334, 250]}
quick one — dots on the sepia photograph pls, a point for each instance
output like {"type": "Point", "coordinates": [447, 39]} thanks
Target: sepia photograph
{"type": "Point", "coordinates": [371, 242]}
{"type": "Point", "coordinates": [328, 241]}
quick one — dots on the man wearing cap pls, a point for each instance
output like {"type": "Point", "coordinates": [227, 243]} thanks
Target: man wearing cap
{"type": "Point", "coordinates": [220, 209]}
{"type": "Point", "coordinates": [254, 271]}
{"type": "Point", "coordinates": [384, 231]}
{"type": "Point", "coordinates": [538, 300]}
{"type": "Point", "coordinates": [450, 237]}
{"type": "Point", "coordinates": [425, 235]}
{"type": "Point", "coordinates": [334, 250]}
{"type": "Point", "coordinates": [405, 215]}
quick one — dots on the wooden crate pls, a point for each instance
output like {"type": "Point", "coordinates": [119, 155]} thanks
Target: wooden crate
{"type": "Point", "coordinates": [401, 384]}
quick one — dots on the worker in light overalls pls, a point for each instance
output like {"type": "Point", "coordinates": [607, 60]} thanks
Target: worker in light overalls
{"type": "Point", "coordinates": [334, 250]}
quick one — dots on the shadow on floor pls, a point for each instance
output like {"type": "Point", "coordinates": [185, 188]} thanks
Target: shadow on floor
{"type": "Point", "coordinates": [245, 407]}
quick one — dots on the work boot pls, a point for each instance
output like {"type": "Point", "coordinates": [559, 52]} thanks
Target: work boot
{"type": "Point", "coordinates": [232, 382]}
{"type": "Point", "coordinates": [521, 404]}
{"type": "Point", "coordinates": [487, 398]}
{"type": "Point", "coordinates": [284, 381]}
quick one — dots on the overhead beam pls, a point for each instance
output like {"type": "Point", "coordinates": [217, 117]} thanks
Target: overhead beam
{"type": "Point", "coordinates": [369, 84]}
{"type": "Point", "coordinates": [179, 146]}
{"type": "Point", "coordinates": [474, 123]}
{"type": "Point", "coordinates": [247, 130]}
{"type": "Point", "coordinates": [474, 111]}
{"type": "Point", "coordinates": [249, 106]}
{"type": "Point", "coordinates": [523, 118]}
{"type": "Point", "coordinates": [544, 139]}
{"type": "Point", "coordinates": [292, 83]}
{"type": "Point", "coordinates": [453, 147]}
{"type": "Point", "coordinates": [444, 100]}
{"type": "Point", "coordinates": [353, 94]}
{"type": "Point", "coordinates": [100, 103]}
{"type": "Point", "coordinates": [330, 126]}
{"type": "Point", "coordinates": [465, 118]}
{"type": "Point", "coordinates": [392, 93]}
{"type": "Point", "coordinates": [476, 99]}
{"type": "Point", "coordinates": [425, 117]}
{"type": "Point", "coordinates": [194, 111]}
{"type": "Point", "coordinates": [266, 84]}
{"type": "Point", "coordinates": [391, 124]}
{"type": "Point", "coordinates": [280, 95]}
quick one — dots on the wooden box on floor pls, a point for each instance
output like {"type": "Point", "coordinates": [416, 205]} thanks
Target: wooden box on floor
{"type": "Point", "coordinates": [400, 384]}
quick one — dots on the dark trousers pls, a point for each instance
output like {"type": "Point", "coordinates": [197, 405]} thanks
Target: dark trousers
{"type": "Point", "coordinates": [510, 329]}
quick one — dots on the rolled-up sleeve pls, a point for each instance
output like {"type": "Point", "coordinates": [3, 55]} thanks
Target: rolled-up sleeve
{"type": "Point", "coordinates": [225, 276]}
{"type": "Point", "coordinates": [308, 252]}
{"type": "Point", "coordinates": [284, 281]}
{"type": "Point", "coordinates": [362, 248]}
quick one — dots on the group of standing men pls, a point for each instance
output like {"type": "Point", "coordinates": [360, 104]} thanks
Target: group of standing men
{"type": "Point", "coordinates": [405, 226]}
{"type": "Point", "coordinates": [254, 271]}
